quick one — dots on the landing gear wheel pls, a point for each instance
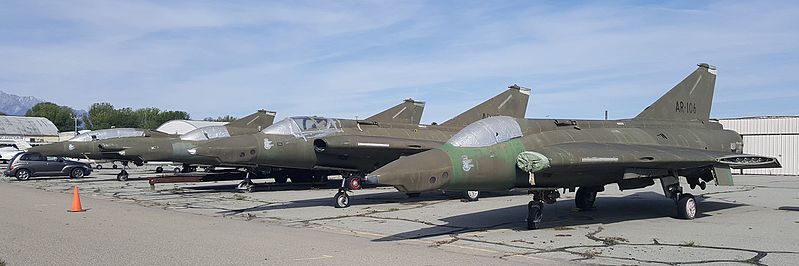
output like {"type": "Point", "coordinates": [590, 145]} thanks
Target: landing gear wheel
{"type": "Point", "coordinates": [23, 174]}
{"type": "Point", "coordinates": [413, 195]}
{"type": "Point", "coordinates": [471, 195]}
{"type": "Point", "coordinates": [585, 198]}
{"type": "Point", "coordinates": [114, 166]}
{"type": "Point", "coordinates": [176, 170]}
{"type": "Point", "coordinates": [245, 186]}
{"type": "Point", "coordinates": [159, 169]}
{"type": "Point", "coordinates": [281, 180]}
{"type": "Point", "coordinates": [686, 207]}
{"type": "Point", "coordinates": [122, 176]}
{"type": "Point", "coordinates": [341, 199]}
{"type": "Point", "coordinates": [98, 166]}
{"type": "Point", "coordinates": [76, 173]}
{"type": "Point", "coordinates": [535, 213]}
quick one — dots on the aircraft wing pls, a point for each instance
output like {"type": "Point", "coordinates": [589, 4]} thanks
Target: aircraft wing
{"type": "Point", "coordinates": [579, 156]}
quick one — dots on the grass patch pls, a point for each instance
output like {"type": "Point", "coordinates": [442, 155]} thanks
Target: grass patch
{"type": "Point", "coordinates": [591, 253]}
{"type": "Point", "coordinates": [688, 244]}
{"type": "Point", "coordinates": [393, 209]}
{"type": "Point", "coordinates": [613, 240]}
{"type": "Point", "coordinates": [250, 216]}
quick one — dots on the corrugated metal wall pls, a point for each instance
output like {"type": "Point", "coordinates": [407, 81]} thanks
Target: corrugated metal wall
{"type": "Point", "coordinates": [769, 136]}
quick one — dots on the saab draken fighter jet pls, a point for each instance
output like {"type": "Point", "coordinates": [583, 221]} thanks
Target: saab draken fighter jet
{"type": "Point", "coordinates": [302, 146]}
{"type": "Point", "coordinates": [173, 148]}
{"type": "Point", "coordinates": [672, 138]}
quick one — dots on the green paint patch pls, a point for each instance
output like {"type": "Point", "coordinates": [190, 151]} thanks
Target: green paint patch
{"type": "Point", "coordinates": [688, 244]}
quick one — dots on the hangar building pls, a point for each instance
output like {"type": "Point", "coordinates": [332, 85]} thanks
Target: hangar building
{"type": "Point", "coordinates": [34, 130]}
{"type": "Point", "coordinates": [773, 136]}
{"type": "Point", "coordinates": [183, 126]}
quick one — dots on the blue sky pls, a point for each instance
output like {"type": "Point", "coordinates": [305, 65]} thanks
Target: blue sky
{"type": "Point", "coordinates": [347, 59]}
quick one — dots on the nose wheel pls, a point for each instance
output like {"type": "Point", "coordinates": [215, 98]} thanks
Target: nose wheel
{"type": "Point", "coordinates": [123, 175]}
{"type": "Point", "coordinates": [246, 185]}
{"type": "Point", "coordinates": [342, 199]}
{"type": "Point", "coordinates": [535, 208]}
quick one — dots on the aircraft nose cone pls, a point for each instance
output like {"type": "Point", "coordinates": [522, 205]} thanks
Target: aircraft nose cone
{"type": "Point", "coordinates": [420, 172]}
{"type": "Point", "coordinates": [228, 150]}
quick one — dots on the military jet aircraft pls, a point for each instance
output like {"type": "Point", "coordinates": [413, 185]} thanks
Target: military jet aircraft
{"type": "Point", "coordinates": [98, 144]}
{"type": "Point", "coordinates": [671, 138]}
{"type": "Point", "coordinates": [318, 146]}
{"type": "Point", "coordinates": [173, 148]}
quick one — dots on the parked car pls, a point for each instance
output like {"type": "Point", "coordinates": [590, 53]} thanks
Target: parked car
{"type": "Point", "coordinates": [25, 165]}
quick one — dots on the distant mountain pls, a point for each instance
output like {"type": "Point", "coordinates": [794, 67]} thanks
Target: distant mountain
{"type": "Point", "coordinates": [11, 104]}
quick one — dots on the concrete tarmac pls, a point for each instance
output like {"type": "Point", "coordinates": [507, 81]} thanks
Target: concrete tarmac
{"type": "Point", "coordinates": [754, 222]}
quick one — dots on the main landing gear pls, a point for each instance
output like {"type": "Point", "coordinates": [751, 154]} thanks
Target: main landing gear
{"type": "Point", "coordinates": [686, 203]}
{"type": "Point", "coordinates": [585, 197]}
{"type": "Point", "coordinates": [535, 208]}
{"type": "Point", "coordinates": [341, 199]}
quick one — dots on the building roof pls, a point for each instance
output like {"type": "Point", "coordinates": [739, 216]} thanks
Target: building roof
{"type": "Point", "coordinates": [27, 126]}
{"type": "Point", "coordinates": [183, 126]}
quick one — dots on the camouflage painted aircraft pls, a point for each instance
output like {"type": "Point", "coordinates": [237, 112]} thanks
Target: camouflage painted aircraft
{"type": "Point", "coordinates": [671, 138]}
{"type": "Point", "coordinates": [173, 148]}
{"type": "Point", "coordinates": [314, 147]}
{"type": "Point", "coordinates": [143, 145]}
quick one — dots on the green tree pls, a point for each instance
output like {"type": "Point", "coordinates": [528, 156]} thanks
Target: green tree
{"type": "Point", "coordinates": [61, 116]}
{"type": "Point", "coordinates": [101, 116]}
{"type": "Point", "coordinates": [104, 115]}
{"type": "Point", "coordinates": [227, 118]}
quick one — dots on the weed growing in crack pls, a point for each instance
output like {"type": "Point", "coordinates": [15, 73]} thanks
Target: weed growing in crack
{"type": "Point", "coordinates": [613, 240]}
{"type": "Point", "coordinates": [250, 216]}
{"type": "Point", "coordinates": [591, 253]}
{"type": "Point", "coordinates": [688, 244]}
{"type": "Point", "coordinates": [239, 197]}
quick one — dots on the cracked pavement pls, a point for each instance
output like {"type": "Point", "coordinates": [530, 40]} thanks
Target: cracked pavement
{"type": "Point", "coordinates": [755, 222]}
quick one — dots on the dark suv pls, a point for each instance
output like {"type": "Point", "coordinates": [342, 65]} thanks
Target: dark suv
{"type": "Point", "coordinates": [26, 164]}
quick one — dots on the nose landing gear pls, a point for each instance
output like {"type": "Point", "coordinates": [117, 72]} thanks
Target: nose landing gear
{"type": "Point", "coordinates": [535, 208]}
{"type": "Point", "coordinates": [686, 203]}
{"type": "Point", "coordinates": [341, 199]}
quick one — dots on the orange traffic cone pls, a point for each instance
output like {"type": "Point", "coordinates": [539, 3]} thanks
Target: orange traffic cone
{"type": "Point", "coordinates": [76, 202]}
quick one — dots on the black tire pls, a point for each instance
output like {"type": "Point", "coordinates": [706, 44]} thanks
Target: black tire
{"type": "Point", "coordinates": [413, 195]}
{"type": "Point", "coordinates": [341, 200]}
{"type": "Point", "coordinates": [122, 176]}
{"type": "Point", "coordinates": [686, 207]}
{"type": "Point", "coordinates": [585, 199]}
{"type": "Point", "coordinates": [77, 173]}
{"type": "Point", "coordinates": [176, 170]}
{"type": "Point", "coordinates": [23, 174]}
{"type": "Point", "coordinates": [471, 195]}
{"type": "Point", "coordinates": [114, 166]}
{"type": "Point", "coordinates": [98, 166]}
{"type": "Point", "coordinates": [281, 180]}
{"type": "Point", "coordinates": [534, 214]}
{"type": "Point", "coordinates": [159, 170]}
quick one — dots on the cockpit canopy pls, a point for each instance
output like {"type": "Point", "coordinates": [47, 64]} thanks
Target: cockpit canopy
{"type": "Point", "coordinates": [206, 133]}
{"type": "Point", "coordinates": [107, 134]}
{"type": "Point", "coordinates": [303, 126]}
{"type": "Point", "coordinates": [487, 132]}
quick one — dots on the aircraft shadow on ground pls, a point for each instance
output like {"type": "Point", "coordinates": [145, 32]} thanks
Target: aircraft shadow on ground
{"type": "Point", "coordinates": [387, 197]}
{"type": "Point", "coordinates": [609, 210]}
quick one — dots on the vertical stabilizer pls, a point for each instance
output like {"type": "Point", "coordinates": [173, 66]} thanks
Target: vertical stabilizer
{"type": "Point", "coordinates": [689, 100]}
{"type": "Point", "coordinates": [258, 120]}
{"type": "Point", "coordinates": [512, 102]}
{"type": "Point", "coordinates": [408, 112]}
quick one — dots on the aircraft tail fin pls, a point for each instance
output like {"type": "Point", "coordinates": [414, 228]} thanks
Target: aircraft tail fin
{"type": "Point", "coordinates": [22, 145]}
{"type": "Point", "coordinates": [258, 120]}
{"type": "Point", "coordinates": [689, 100]}
{"type": "Point", "coordinates": [408, 112]}
{"type": "Point", "coordinates": [512, 102]}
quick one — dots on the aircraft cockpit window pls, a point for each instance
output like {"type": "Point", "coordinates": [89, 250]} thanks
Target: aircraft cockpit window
{"type": "Point", "coordinates": [487, 132]}
{"type": "Point", "coordinates": [303, 126]}
{"type": "Point", "coordinates": [107, 134]}
{"type": "Point", "coordinates": [206, 133]}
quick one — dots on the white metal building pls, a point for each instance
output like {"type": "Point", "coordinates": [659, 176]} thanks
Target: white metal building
{"type": "Point", "coordinates": [773, 136]}
{"type": "Point", "coordinates": [183, 126]}
{"type": "Point", "coordinates": [30, 129]}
